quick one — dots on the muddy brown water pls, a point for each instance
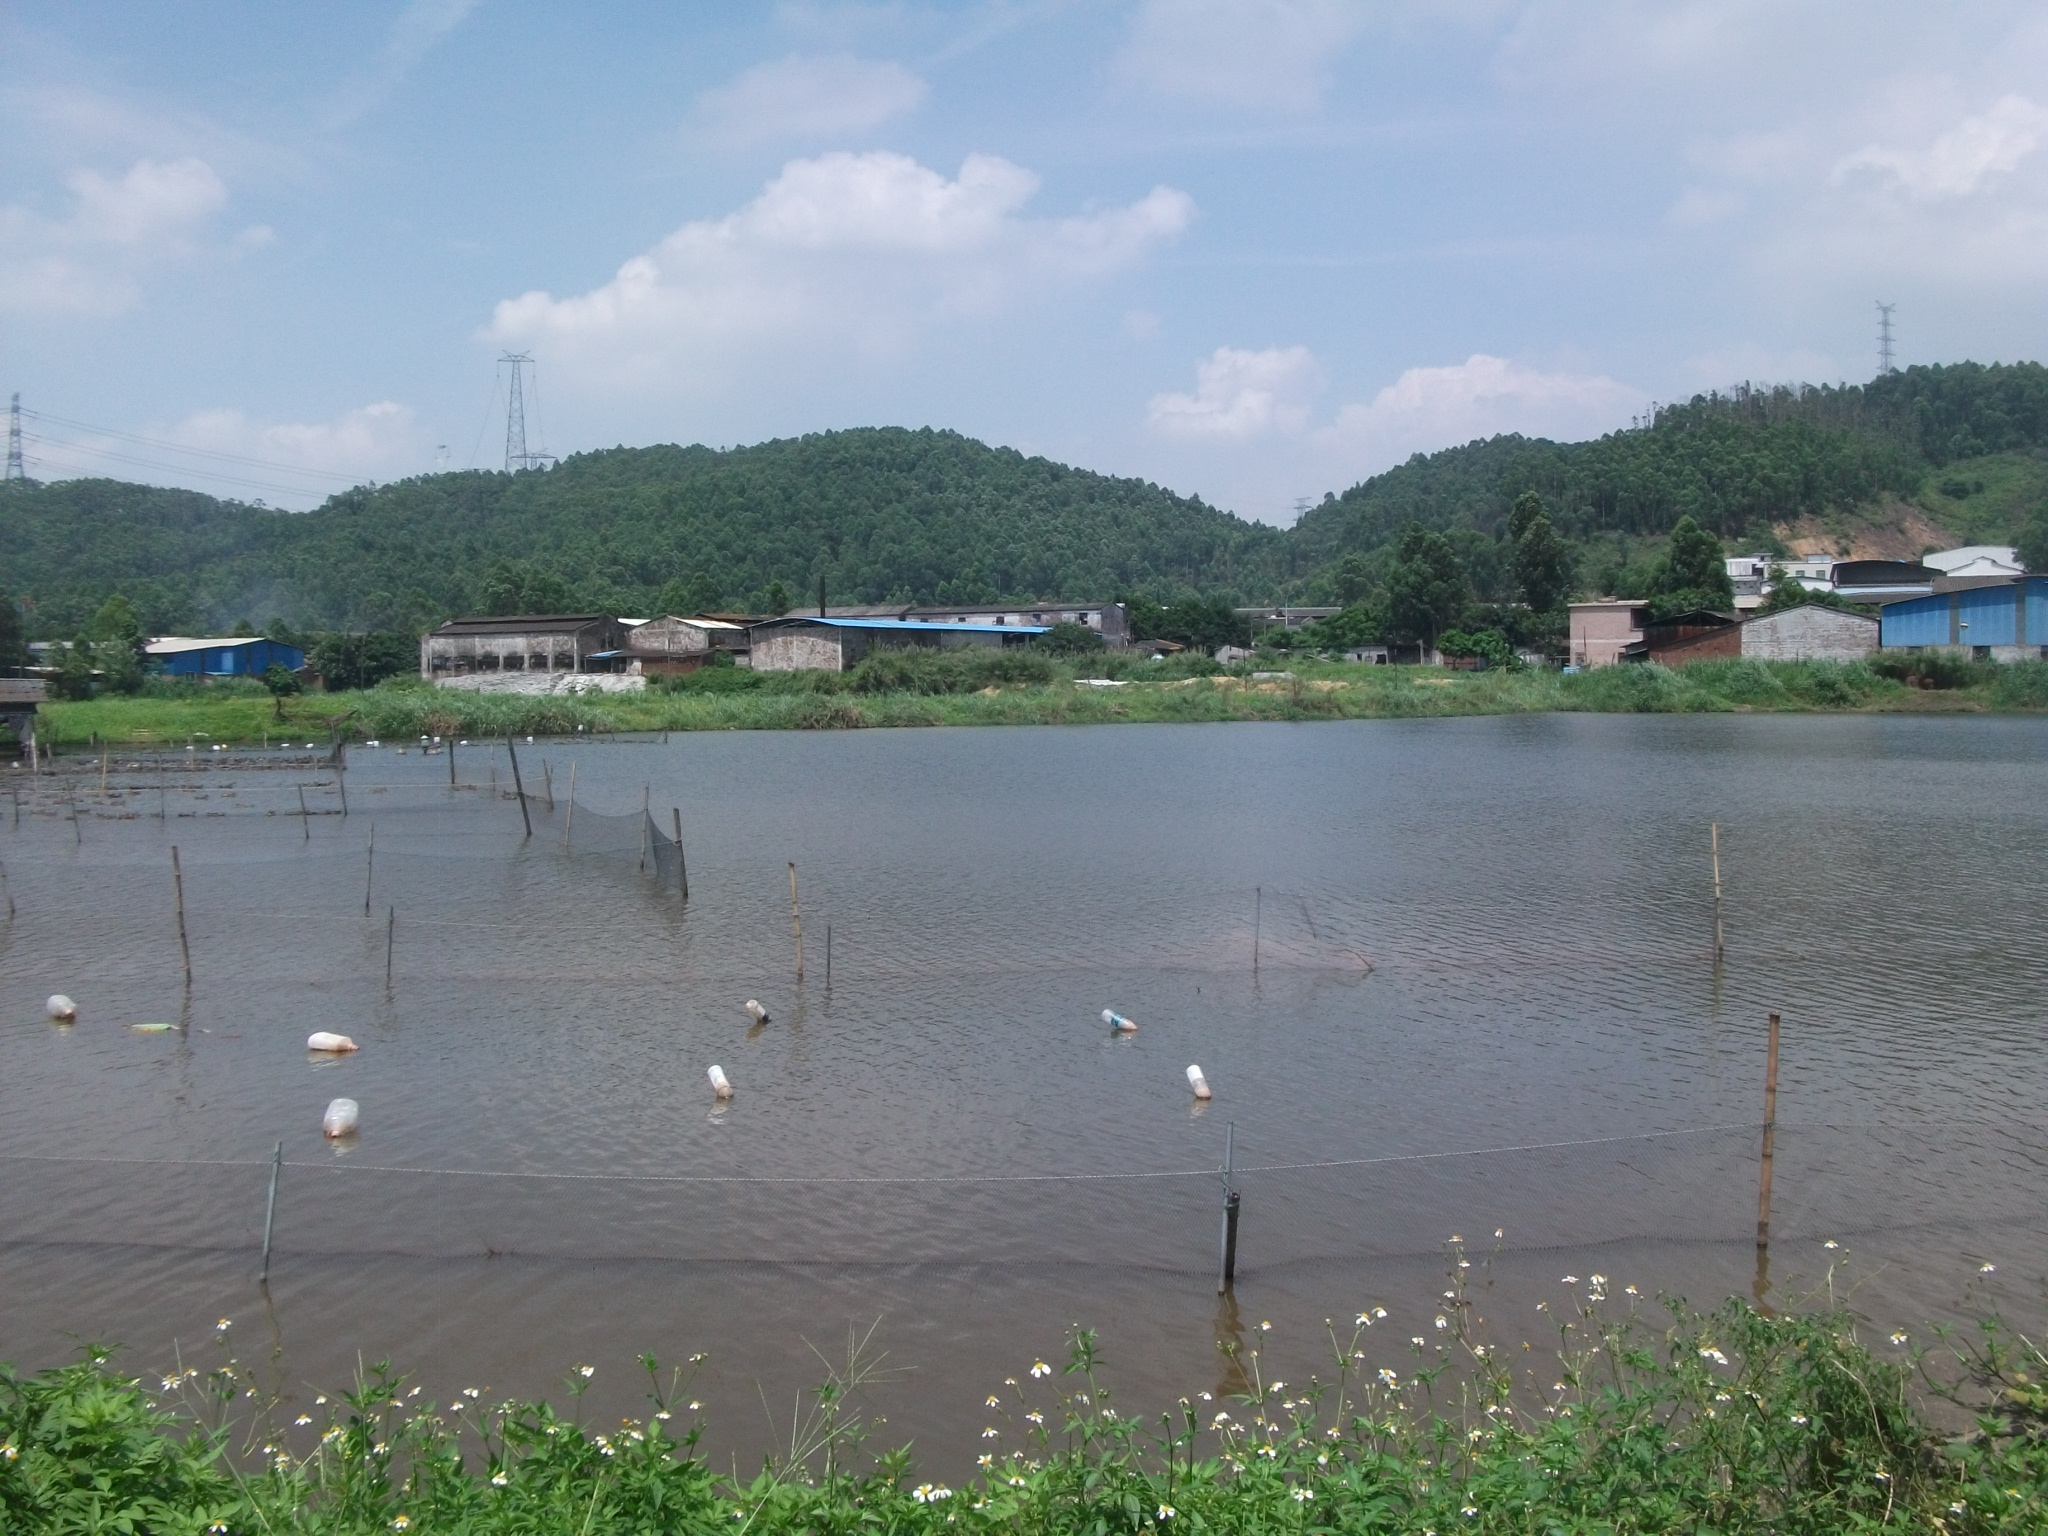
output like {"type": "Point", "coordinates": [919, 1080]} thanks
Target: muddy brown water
{"type": "Point", "coordinates": [1485, 999]}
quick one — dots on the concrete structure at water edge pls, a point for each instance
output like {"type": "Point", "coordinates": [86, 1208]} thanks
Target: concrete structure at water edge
{"type": "Point", "coordinates": [20, 698]}
{"type": "Point", "coordinates": [809, 643]}
{"type": "Point", "coordinates": [1994, 618]}
{"type": "Point", "coordinates": [523, 643]}
{"type": "Point", "coordinates": [1601, 630]}
{"type": "Point", "coordinates": [229, 656]}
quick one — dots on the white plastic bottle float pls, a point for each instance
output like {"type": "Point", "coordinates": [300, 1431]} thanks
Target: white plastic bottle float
{"type": "Point", "coordinates": [1198, 1082]}
{"type": "Point", "coordinates": [341, 1119]}
{"type": "Point", "coordinates": [1119, 1023]}
{"type": "Point", "coordinates": [61, 1008]}
{"type": "Point", "coordinates": [720, 1088]}
{"type": "Point", "coordinates": [321, 1040]}
{"type": "Point", "coordinates": [756, 1011]}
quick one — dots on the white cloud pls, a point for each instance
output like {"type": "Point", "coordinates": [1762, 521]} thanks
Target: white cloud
{"type": "Point", "coordinates": [226, 452]}
{"type": "Point", "coordinates": [90, 261]}
{"type": "Point", "coordinates": [807, 97]}
{"type": "Point", "coordinates": [1968, 158]}
{"type": "Point", "coordinates": [864, 250]}
{"type": "Point", "coordinates": [1266, 54]}
{"type": "Point", "coordinates": [1241, 394]}
{"type": "Point", "coordinates": [1431, 408]}
{"type": "Point", "coordinates": [1249, 436]}
{"type": "Point", "coordinates": [419, 27]}
{"type": "Point", "coordinates": [1751, 363]}
{"type": "Point", "coordinates": [1700, 206]}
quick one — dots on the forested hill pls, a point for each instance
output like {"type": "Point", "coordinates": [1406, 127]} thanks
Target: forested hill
{"type": "Point", "coordinates": [883, 514]}
{"type": "Point", "coordinates": [1736, 462]}
{"type": "Point", "coordinates": [887, 514]}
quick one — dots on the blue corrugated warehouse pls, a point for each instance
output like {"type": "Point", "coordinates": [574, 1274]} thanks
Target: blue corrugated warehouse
{"type": "Point", "coordinates": [233, 656]}
{"type": "Point", "coordinates": [2008, 616]}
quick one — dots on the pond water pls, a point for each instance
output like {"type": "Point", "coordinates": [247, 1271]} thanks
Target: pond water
{"type": "Point", "coordinates": [1490, 937]}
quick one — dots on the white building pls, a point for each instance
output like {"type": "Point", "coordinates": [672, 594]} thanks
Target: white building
{"type": "Point", "coordinates": [1976, 560]}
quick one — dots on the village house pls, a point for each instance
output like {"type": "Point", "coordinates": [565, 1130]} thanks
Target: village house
{"type": "Point", "coordinates": [535, 642]}
{"type": "Point", "coordinates": [1602, 629]}
{"type": "Point", "coordinates": [1994, 618]}
{"type": "Point", "coordinates": [1109, 620]}
{"type": "Point", "coordinates": [1810, 632]}
{"type": "Point", "coordinates": [227, 656]}
{"type": "Point", "coordinates": [672, 645]}
{"type": "Point", "coordinates": [805, 642]}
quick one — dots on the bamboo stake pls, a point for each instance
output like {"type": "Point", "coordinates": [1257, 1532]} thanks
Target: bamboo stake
{"type": "Point", "coordinates": [1714, 827]}
{"type": "Point", "coordinates": [305, 825]}
{"type": "Point", "coordinates": [547, 774]}
{"type": "Point", "coordinates": [1258, 921]}
{"type": "Point", "coordinates": [270, 1211]}
{"type": "Point", "coordinates": [178, 885]}
{"type": "Point", "coordinates": [682, 864]}
{"type": "Point", "coordinates": [370, 869]}
{"type": "Point", "coordinates": [646, 821]}
{"type": "Point", "coordinates": [828, 957]}
{"type": "Point", "coordinates": [390, 936]}
{"type": "Point", "coordinates": [569, 817]}
{"type": "Point", "coordinates": [341, 781]}
{"type": "Point", "coordinates": [4, 891]}
{"type": "Point", "coordinates": [518, 784]}
{"type": "Point", "coordinates": [77, 837]}
{"type": "Point", "coordinates": [1763, 1197]}
{"type": "Point", "coordinates": [103, 772]}
{"type": "Point", "coordinates": [451, 761]}
{"type": "Point", "coordinates": [796, 918]}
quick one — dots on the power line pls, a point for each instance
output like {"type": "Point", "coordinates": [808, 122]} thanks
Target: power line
{"type": "Point", "coordinates": [182, 448]}
{"type": "Point", "coordinates": [87, 460]}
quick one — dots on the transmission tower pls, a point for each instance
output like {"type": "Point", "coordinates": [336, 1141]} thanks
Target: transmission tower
{"type": "Point", "coordinates": [516, 454]}
{"type": "Point", "coordinates": [1884, 338]}
{"type": "Point", "coordinates": [15, 471]}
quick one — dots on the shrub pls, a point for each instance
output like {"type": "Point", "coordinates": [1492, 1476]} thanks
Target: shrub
{"type": "Point", "coordinates": [1929, 669]}
{"type": "Point", "coordinates": [2021, 685]}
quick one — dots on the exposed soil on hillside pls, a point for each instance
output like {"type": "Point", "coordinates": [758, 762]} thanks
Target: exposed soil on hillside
{"type": "Point", "coordinates": [1896, 530]}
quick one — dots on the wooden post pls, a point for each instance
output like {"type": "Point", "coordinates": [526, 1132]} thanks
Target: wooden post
{"type": "Point", "coordinates": [519, 785]}
{"type": "Point", "coordinates": [370, 869]}
{"type": "Point", "coordinates": [341, 782]}
{"type": "Point", "coordinates": [178, 885]}
{"type": "Point", "coordinates": [77, 836]}
{"type": "Point", "coordinates": [796, 918]}
{"type": "Point", "coordinates": [103, 772]}
{"type": "Point", "coordinates": [646, 822]}
{"type": "Point", "coordinates": [270, 1211]}
{"type": "Point", "coordinates": [305, 825]}
{"type": "Point", "coordinates": [828, 957]}
{"type": "Point", "coordinates": [569, 819]}
{"type": "Point", "coordinates": [451, 761]}
{"type": "Point", "coordinates": [1258, 921]}
{"type": "Point", "coordinates": [1714, 827]}
{"type": "Point", "coordinates": [4, 891]}
{"type": "Point", "coordinates": [390, 934]}
{"type": "Point", "coordinates": [1763, 1196]}
{"type": "Point", "coordinates": [682, 864]}
{"type": "Point", "coordinates": [547, 774]}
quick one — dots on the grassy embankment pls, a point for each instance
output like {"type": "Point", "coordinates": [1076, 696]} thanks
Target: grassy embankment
{"type": "Point", "coordinates": [1647, 1420]}
{"type": "Point", "coordinates": [1029, 690]}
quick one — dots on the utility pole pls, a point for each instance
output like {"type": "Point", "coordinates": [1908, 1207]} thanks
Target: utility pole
{"type": "Point", "coordinates": [517, 457]}
{"type": "Point", "coordinates": [15, 471]}
{"type": "Point", "coordinates": [1885, 364]}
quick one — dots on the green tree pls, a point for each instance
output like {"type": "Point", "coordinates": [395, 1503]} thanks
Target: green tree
{"type": "Point", "coordinates": [1354, 579]}
{"type": "Point", "coordinates": [1068, 639]}
{"type": "Point", "coordinates": [1543, 562]}
{"type": "Point", "coordinates": [778, 599]}
{"type": "Point", "coordinates": [685, 595]}
{"type": "Point", "coordinates": [522, 587]}
{"type": "Point", "coordinates": [1527, 508]}
{"type": "Point", "coordinates": [1428, 587]}
{"type": "Point", "coordinates": [75, 677]}
{"type": "Point", "coordinates": [1694, 573]}
{"type": "Point", "coordinates": [2033, 542]}
{"type": "Point", "coordinates": [13, 637]}
{"type": "Point", "coordinates": [1789, 592]}
{"type": "Point", "coordinates": [362, 661]}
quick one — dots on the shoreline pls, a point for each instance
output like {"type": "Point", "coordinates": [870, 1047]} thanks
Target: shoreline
{"type": "Point", "coordinates": [827, 701]}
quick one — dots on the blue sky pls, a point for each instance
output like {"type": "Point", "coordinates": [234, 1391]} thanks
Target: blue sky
{"type": "Point", "coordinates": [1252, 249]}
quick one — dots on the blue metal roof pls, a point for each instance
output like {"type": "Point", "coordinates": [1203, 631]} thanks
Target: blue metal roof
{"type": "Point", "coordinates": [940, 626]}
{"type": "Point", "coordinates": [2008, 613]}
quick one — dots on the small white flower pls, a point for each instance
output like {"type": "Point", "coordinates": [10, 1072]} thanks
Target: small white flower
{"type": "Point", "coordinates": [499, 1480]}
{"type": "Point", "coordinates": [1798, 1418]}
{"type": "Point", "coordinates": [1570, 1280]}
{"type": "Point", "coordinates": [694, 1407]}
{"type": "Point", "coordinates": [662, 1414]}
{"type": "Point", "coordinates": [989, 1433]}
{"type": "Point", "coordinates": [1630, 1290]}
{"type": "Point", "coordinates": [1265, 1327]}
{"type": "Point", "coordinates": [1167, 1511]}
{"type": "Point", "coordinates": [1035, 1417]}
{"type": "Point", "coordinates": [1221, 1418]}
{"type": "Point", "coordinates": [472, 1392]}
{"type": "Point", "coordinates": [1831, 1243]}
{"type": "Point", "coordinates": [1040, 1368]}
{"type": "Point", "coordinates": [586, 1371]}
{"type": "Point", "coordinates": [1985, 1269]}
{"type": "Point", "coordinates": [1899, 1337]}
{"type": "Point", "coordinates": [1389, 1377]}
{"type": "Point", "coordinates": [1708, 1352]}
{"type": "Point", "coordinates": [1418, 1339]}
{"type": "Point", "coordinates": [984, 1460]}
{"type": "Point", "coordinates": [9, 1451]}
{"type": "Point", "coordinates": [1301, 1496]}
{"type": "Point", "coordinates": [1468, 1511]}
{"type": "Point", "coordinates": [403, 1522]}
{"type": "Point", "coordinates": [994, 1401]}
{"type": "Point", "coordinates": [930, 1493]}
{"type": "Point", "coordinates": [222, 1326]}
{"type": "Point", "coordinates": [1442, 1323]}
